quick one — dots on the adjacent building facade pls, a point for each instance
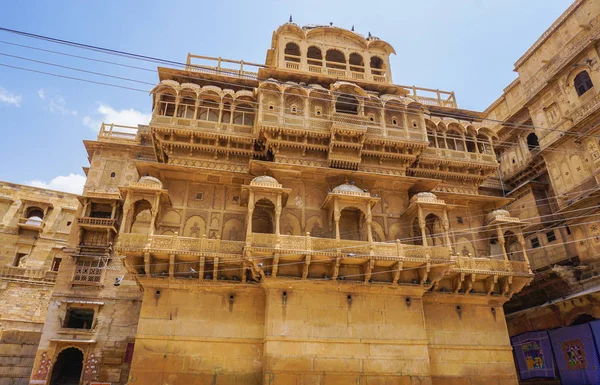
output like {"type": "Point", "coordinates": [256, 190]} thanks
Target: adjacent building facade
{"type": "Point", "coordinates": [548, 124]}
{"type": "Point", "coordinates": [34, 227]}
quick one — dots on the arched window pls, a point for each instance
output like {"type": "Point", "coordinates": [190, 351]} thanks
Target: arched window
{"type": "Point", "coordinates": [244, 115]}
{"type": "Point", "coordinates": [455, 140]}
{"type": "Point", "coordinates": [35, 212]}
{"type": "Point", "coordinates": [357, 63]}
{"type": "Point", "coordinates": [335, 59]}
{"type": "Point", "coordinates": [187, 106]}
{"type": "Point", "coordinates": [263, 217]}
{"type": "Point", "coordinates": [208, 110]}
{"type": "Point", "coordinates": [292, 52]}
{"type": "Point", "coordinates": [583, 83]}
{"type": "Point", "coordinates": [483, 142]}
{"type": "Point", "coordinates": [431, 138]}
{"type": "Point", "coordinates": [167, 105]}
{"type": "Point", "coordinates": [377, 66]}
{"type": "Point", "coordinates": [532, 142]}
{"type": "Point", "coordinates": [347, 104]}
{"type": "Point", "coordinates": [314, 57]}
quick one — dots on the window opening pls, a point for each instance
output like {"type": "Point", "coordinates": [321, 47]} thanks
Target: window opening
{"type": "Point", "coordinates": [79, 318]}
{"type": "Point", "coordinates": [550, 236]}
{"type": "Point", "coordinates": [583, 83]}
{"type": "Point", "coordinates": [535, 243]}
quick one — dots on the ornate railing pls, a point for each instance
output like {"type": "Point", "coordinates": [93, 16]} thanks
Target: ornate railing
{"type": "Point", "coordinates": [22, 273]}
{"type": "Point", "coordinates": [491, 264]}
{"type": "Point", "coordinates": [90, 221]}
{"type": "Point", "coordinates": [117, 133]}
{"type": "Point", "coordinates": [459, 155]}
{"type": "Point", "coordinates": [176, 244]}
{"type": "Point", "coordinates": [202, 124]}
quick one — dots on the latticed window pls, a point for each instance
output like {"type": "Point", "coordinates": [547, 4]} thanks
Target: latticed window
{"type": "Point", "coordinates": [583, 83]}
{"type": "Point", "coordinates": [87, 272]}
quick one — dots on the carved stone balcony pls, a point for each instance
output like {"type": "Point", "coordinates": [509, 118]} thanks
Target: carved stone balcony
{"type": "Point", "coordinates": [33, 223]}
{"type": "Point", "coordinates": [170, 244]}
{"type": "Point", "coordinates": [201, 125]}
{"type": "Point", "coordinates": [23, 274]}
{"type": "Point", "coordinates": [490, 265]}
{"type": "Point", "coordinates": [92, 223]}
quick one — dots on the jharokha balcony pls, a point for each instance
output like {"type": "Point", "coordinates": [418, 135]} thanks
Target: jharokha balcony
{"type": "Point", "coordinates": [264, 257]}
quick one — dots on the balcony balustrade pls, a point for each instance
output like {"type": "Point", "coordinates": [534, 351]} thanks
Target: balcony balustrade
{"type": "Point", "coordinates": [117, 133]}
{"type": "Point", "coordinates": [459, 155]}
{"type": "Point", "coordinates": [204, 125]}
{"type": "Point", "coordinates": [490, 265]}
{"type": "Point", "coordinates": [33, 223]}
{"type": "Point", "coordinates": [96, 223]}
{"type": "Point", "coordinates": [24, 274]}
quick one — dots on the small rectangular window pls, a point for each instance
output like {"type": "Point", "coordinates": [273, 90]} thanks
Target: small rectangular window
{"type": "Point", "coordinates": [55, 264]}
{"type": "Point", "coordinates": [79, 318]}
{"type": "Point", "coordinates": [199, 196]}
{"type": "Point", "coordinates": [459, 220]}
{"type": "Point", "coordinates": [550, 236]}
{"type": "Point", "coordinates": [20, 260]}
{"type": "Point", "coordinates": [568, 230]}
{"type": "Point", "coordinates": [535, 243]}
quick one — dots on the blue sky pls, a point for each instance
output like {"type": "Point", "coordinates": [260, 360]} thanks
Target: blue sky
{"type": "Point", "coordinates": [468, 46]}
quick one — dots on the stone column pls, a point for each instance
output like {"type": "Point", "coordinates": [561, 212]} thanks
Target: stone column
{"type": "Point", "coordinates": [502, 241]}
{"type": "Point", "coordinates": [220, 114]}
{"type": "Point", "coordinates": [126, 214]}
{"type": "Point", "coordinates": [147, 264]}
{"type": "Point", "coordinates": [369, 220]}
{"type": "Point", "coordinates": [154, 213]}
{"type": "Point", "coordinates": [249, 223]}
{"type": "Point", "coordinates": [422, 226]}
{"type": "Point", "coordinates": [446, 227]}
{"type": "Point", "coordinates": [278, 208]}
{"type": "Point", "coordinates": [521, 240]}
{"type": "Point", "coordinates": [171, 265]}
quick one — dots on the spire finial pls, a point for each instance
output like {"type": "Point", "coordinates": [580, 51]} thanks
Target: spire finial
{"type": "Point", "coordinates": [369, 33]}
{"type": "Point", "coordinates": [352, 28]}
{"type": "Point", "coordinates": [291, 21]}
{"type": "Point", "coordinates": [331, 23]}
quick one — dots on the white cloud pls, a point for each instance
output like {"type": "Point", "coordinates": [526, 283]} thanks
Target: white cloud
{"type": "Point", "coordinates": [8, 98]}
{"type": "Point", "coordinates": [58, 105]}
{"type": "Point", "coordinates": [107, 114]}
{"type": "Point", "coordinates": [42, 93]}
{"type": "Point", "coordinates": [72, 183]}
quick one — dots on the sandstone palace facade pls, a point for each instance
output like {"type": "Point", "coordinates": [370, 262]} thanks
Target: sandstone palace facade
{"type": "Point", "coordinates": [309, 221]}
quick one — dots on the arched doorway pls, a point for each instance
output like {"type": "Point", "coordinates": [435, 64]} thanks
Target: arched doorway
{"type": "Point", "coordinates": [142, 217]}
{"type": "Point", "coordinates": [263, 217]}
{"type": "Point", "coordinates": [350, 224]}
{"type": "Point", "coordinates": [532, 142]}
{"type": "Point", "coordinates": [582, 319]}
{"type": "Point", "coordinates": [433, 230]}
{"type": "Point", "coordinates": [67, 368]}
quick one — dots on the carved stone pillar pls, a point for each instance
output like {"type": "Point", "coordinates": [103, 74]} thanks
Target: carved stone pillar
{"type": "Point", "coordinates": [382, 121]}
{"type": "Point", "coordinates": [369, 220]}
{"type": "Point", "coordinates": [249, 224]}
{"type": "Point", "coordinates": [521, 240]}
{"type": "Point", "coordinates": [171, 265]}
{"type": "Point", "coordinates": [336, 217]}
{"type": "Point", "coordinates": [491, 146]}
{"type": "Point", "coordinates": [126, 217]}
{"type": "Point", "coordinates": [220, 114]}
{"type": "Point", "coordinates": [277, 215]}
{"type": "Point", "coordinates": [476, 144]}
{"type": "Point", "coordinates": [422, 226]}
{"type": "Point", "coordinates": [502, 241]}
{"type": "Point", "coordinates": [147, 264]}
{"type": "Point", "coordinates": [446, 227]}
